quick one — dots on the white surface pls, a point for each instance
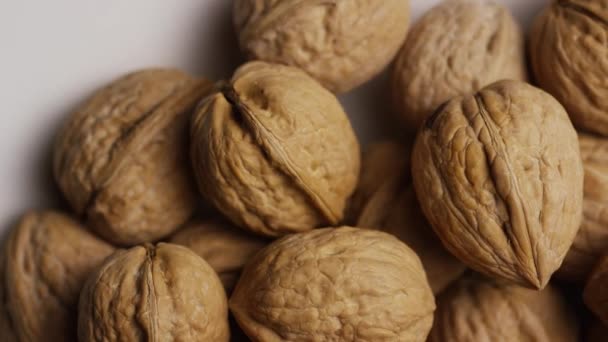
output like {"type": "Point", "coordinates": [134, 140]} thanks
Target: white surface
{"type": "Point", "coordinates": [53, 54]}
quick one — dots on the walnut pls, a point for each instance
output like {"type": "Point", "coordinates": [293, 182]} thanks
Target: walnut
{"type": "Point", "coordinates": [568, 47]}
{"type": "Point", "coordinates": [455, 49]}
{"type": "Point", "coordinates": [342, 284]}
{"type": "Point", "coordinates": [341, 43]}
{"type": "Point", "coordinates": [121, 159]}
{"type": "Point", "coordinates": [274, 151]}
{"type": "Point", "coordinates": [499, 176]}
{"type": "Point", "coordinates": [592, 238]}
{"type": "Point", "coordinates": [226, 248]}
{"type": "Point", "coordinates": [596, 331]}
{"type": "Point", "coordinates": [476, 309]}
{"type": "Point", "coordinates": [595, 294]}
{"type": "Point", "coordinates": [386, 201]}
{"type": "Point", "coordinates": [155, 293]}
{"type": "Point", "coordinates": [43, 266]}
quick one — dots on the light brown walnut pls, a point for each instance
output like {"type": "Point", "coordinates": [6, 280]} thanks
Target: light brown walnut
{"type": "Point", "coordinates": [457, 48]}
{"type": "Point", "coordinates": [475, 309]}
{"type": "Point", "coordinates": [592, 238]}
{"type": "Point", "coordinates": [499, 176]}
{"type": "Point", "coordinates": [385, 200]}
{"type": "Point", "coordinates": [568, 46]}
{"type": "Point", "coordinates": [341, 43]}
{"type": "Point", "coordinates": [334, 284]}
{"type": "Point", "coordinates": [121, 159]}
{"type": "Point", "coordinates": [274, 151]}
{"type": "Point", "coordinates": [153, 293]}
{"type": "Point", "coordinates": [43, 266]}
{"type": "Point", "coordinates": [226, 248]}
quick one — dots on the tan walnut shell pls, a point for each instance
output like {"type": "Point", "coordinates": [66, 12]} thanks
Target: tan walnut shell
{"type": "Point", "coordinates": [226, 248]}
{"type": "Point", "coordinates": [341, 43]}
{"type": "Point", "coordinates": [568, 46]}
{"type": "Point", "coordinates": [482, 310]}
{"type": "Point", "coordinates": [121, 159]}
{"type": "Point", "coordinates": [43, 266]}
{"type": "Point", "coordinates": [455, 49]}
{"type": "Point", "coordinates": [342, 284]}
{"type": "Point", "coordinates": [389, 204]}
{"type": "Point", "coordinates": [274, 151]}
{"type": "Point", "coordinates": [499, 176]}
{"type": "Point", "coordinates": [154, 293]}
{"type": "Point", "coordinates": [595, 293]}
{"type": "Point", "coordinates": [592, 238]}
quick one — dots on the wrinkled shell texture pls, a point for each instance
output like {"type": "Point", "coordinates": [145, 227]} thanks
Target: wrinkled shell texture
{"type": "Point", "coordinates": [226, 248]}
{"type": "Point", "coordinates": [274, 151]}
{"type": "Point", "coordinates": [499, 177]}
{"type": "Point", "coordinates": [475, 310]}
{"type": "Point", "coordinates": [389, 204]}
{"type": "Point", "coordinates": [121, 159]}
{"type": "Point", "coordinates": [153, 293]}
{"type": "Point", "coordinates": [44, 264]}
{"type": "Point", "coordinates": [592, 238]}
{"type": "Point", "coordinates": [568, 47]}
{"type": "Point", "coordinates": [341, 43]}
{"type": "Point", "coordinates": [455, 49]}
{"type": "Point", "coordinates": [595, 294]}
{"type": "Point", "coordinates": [342, 284]}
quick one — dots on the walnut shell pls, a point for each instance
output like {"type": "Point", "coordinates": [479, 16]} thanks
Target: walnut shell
{"type": "Point", "coordinates": [500, 178]}
{"type": "Point", "coordinates": [121, 159]}
{"type": "Point", "coordinates": [342, 284]}
{"type": "Point", "coordinates": [341, 43]}
{"type": "Point", "coordinates": [155, 293]}
{"type": "Point", "coordinates": [595, 294]}
{"type": "Point", "coordinates": [484, 45]}
{"type": "Point", "coordinates": [43, 266]}
{"type": "Point", "coordinates": [388, 203]}
{"type": "Point", "coordinates": [226, 248]}
{"type": "Point", "coordinates": [592, 239]}
{"type": "Point", "coordinates": [274, 151]}
{"type": "Point", "coordinates": [476, 309]}
{"type": "Point", "coordinates": [568, 47]}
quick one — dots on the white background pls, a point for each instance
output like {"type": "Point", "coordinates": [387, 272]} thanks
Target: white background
{"type": "Point", "coordinates": [53, 54]}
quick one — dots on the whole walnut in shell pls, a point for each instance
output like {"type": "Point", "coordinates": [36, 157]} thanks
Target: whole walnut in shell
{"type": "Point", "coordinates": [568, 47]}
{"type": "Point", "coordinates": [154, 293]}
{"type": "Point", "coordinates": [43, 266]}
{"type": "Point", "coordinates": [499, 176]}
{"type": "Point", "coordinates": [388, 203]}
{"type": "Point", "coordinates": [592, 238]}
{"type": "Point", "coordinates": [595, 293]}
{"type": "Point", "coordinates": [341, 43]}
{"type": "Point", "coordinates": [483, 310]}
{"type": "Point", "coordinates": [121, 159]}
{"type": "Point", "coordinates": [226, 248]}
{"type": "Point", "coordinates": [455, 49]}
{"type": "Point", "coordinates": [342, 284]}
{"type": "Point", "coordinates": [274, 151]}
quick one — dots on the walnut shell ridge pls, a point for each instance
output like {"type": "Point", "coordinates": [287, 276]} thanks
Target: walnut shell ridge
{"type": "Point", "coordinates": [457, 48]}
{"type": "Point", "coordinates": [155, 293]}
{"type": "Point", "coordinates": [592, 238]}
{"type": "Point", "coordinates": [387, 202]}
{"type": "Point", "coordinates": [342, 284]}
{"type": "Point", "coordinates": [475, 309]}
{"type": "Point", "coordinates": [226, 248]}
{"type": "Point", "coordinates": [43, 266]}
{"type": "Point", "coordinates": [274, 151]}
{"type": "Point", "coordinates": [568, 46]}
{"type": "Point", "coordinates": [499, 176]}
{"type": "Point", "coordinates": [341, 43]}
{"type": "Point", "coordinates": [121, 160]}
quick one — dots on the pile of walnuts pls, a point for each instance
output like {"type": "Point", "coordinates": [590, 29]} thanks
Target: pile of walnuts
{"type": "Point", "coordinates": [244, 209]}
